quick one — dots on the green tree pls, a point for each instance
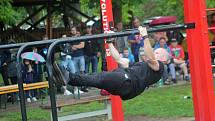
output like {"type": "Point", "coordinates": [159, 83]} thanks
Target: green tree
{"type": "Point", "coordinates": [7, 13]}
{"type": "Point", "coordinates": [144, 8]}
{"type": "Point", "coordinates": [211, 3]}
{"type": "Point", "coordinates": [10, 15]}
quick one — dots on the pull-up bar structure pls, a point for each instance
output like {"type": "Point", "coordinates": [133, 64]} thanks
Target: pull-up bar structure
{"type": "Point", "coordinates": [200, 60]}
{"type": "Point", "coordinates": [23, 46]}
{"type": "Point", "coordinates": [94, 38]}
{"type": "Point", "coordinates": [199, 55]}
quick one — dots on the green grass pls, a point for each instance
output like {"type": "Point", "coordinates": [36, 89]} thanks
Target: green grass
{"type": "Point", "coordinates": [35, 114]}
{"type": "Point", "coordinates": [162, 102]}
{"type": "Point", "coordinates": [156, 102]}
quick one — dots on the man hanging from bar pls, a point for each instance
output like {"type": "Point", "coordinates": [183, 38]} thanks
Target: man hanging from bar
{"type": "Point", "coordinates": [128, 81]}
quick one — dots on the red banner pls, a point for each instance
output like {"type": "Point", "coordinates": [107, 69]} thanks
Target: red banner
{"type": "Point", "coordinates": [108, 24]}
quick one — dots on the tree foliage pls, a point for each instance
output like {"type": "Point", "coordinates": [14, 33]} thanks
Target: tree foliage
{"type": "Point", "coordinates": [210, 3]}
{"type": "Point", "coordinates": [142, 8]}
{"type": "Point", "coordinates": [10, 15]}
{"type": "Point", "coordinates": [7, 13]}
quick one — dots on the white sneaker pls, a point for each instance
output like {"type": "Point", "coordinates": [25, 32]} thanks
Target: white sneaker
{"type": "Point", "coordinates": [34, 99]}
{"type": "Point", "coordinates": [18, 99]}
{"type": "Point", "coordinates": [76, 92]}
{"type": "Point", "coordinates": [67, 92]}
{"type": "Point", "coordinates": [29, 100]}
{"type": "Point", "coordinates": [81, 92]}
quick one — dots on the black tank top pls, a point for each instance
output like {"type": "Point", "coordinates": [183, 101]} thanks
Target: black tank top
{"type": "Point", "coordinates": [141, 76]}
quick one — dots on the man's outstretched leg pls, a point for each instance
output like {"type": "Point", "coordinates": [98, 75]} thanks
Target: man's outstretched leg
{"type": "Point", "coordinates": [116, 82]}
{"type": "Point", "coordinates": [113, 82]}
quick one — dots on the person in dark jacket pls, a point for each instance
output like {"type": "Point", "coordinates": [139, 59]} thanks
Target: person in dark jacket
{"type": "Point", "coordinates": [4, 61]}
{"type": "Point", "coordinates": [91, 52]}
{"type": "Point", "coordinates": [37, 67]}
{"type": "Point", "coordinates": [27, 75]}
{"type": "Point", "coordinates": [12, 71]}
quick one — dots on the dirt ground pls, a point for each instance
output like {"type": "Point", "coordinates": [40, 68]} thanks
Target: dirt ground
{"type": "Point", "coordinates": [142, 118]}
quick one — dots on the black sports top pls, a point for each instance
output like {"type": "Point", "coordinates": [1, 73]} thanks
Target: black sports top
{"type": "Point", "coordinates": [141, 76]}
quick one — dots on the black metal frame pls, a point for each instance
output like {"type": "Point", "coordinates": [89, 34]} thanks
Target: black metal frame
{"type": "Point", "coordinates": [55, 42]}
{"type": "Point", "coordinates": [94, 38]}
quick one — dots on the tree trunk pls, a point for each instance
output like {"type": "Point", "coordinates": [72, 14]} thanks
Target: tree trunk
{"type": "Point", "coordinates": [117, 11]}
{"type": "Point", "coordinates": [76, 4]}
{"type": "Point", "coordinates": [65, 16]}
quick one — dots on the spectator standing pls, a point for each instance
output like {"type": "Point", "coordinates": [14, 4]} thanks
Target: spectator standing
{"type": "Point", "coordinates": [177, 54]}
{"type": "Point", "coordinates": [120, 42]}
{"type": "Point", "coordinates": [37, 67]}
{"type": "Point", "coordinates": [78, 53]}
{"type": "Point", "coordinates": [135, 40]}
{"type": "Point", "coordinates": [37, 73]}
{"type": "Point", "coordinates": [91, 52]}
{"type": "Point", "coordinates": [78, 56]}
{"type": "Point", "coordinates": [4, 60]}
{"type": "Point", "coordinates": [27, 75]}
{"type": "Point", "coordinates": [97, 30]}
{"type": "Point", "coordinates": [12, 72]}
{"type": "Point", "coordinates": [67, 63]}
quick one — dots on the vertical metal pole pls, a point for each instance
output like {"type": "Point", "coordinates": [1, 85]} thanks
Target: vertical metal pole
{"type": "Point", "coordinates": [20, 84]}
{"type": "Point", "coordinates": [51, 84]}
{"type": "Point", "coordinates": [49, 67]}
{"type": "Point", "coordinates": [200, 62]}
{"type": "Point", "coordinates": [107, 22]}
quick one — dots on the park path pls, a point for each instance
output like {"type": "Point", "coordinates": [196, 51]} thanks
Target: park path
{"type": "Point", "coordinates": [140, 118]}
{"type": "Point", "coordinates": [143, 118]}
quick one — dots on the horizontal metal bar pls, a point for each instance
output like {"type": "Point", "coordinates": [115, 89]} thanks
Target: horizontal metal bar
{"type": "Point", "coordinates": [83, 115]}
{"type": "Point", "coordinates": [212, 47]}
{"type": "Point", "coordinates": [210, 9]}
{"type": "Point", "coordinates": [18, 45]}
{"type": "Point", "coordinates": [100, 36]}
{"type": "Point", "coordinates": [211, 28]}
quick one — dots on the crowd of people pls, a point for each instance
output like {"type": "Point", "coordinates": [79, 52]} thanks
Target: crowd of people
{"type": "Point", "coordinates": [79, 57]}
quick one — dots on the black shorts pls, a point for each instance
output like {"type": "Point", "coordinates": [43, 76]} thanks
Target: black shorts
{"type": "Point", "coordinates": [117, 82]}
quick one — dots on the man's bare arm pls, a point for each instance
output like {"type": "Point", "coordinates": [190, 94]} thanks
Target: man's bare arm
{"type": "Point", "coordinates": [153, 63]}
{"type": "Point", "coordinates": [123, 62]}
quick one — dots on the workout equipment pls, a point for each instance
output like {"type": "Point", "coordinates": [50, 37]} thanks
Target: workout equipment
{"type": "Point", "coordinates": [94, 38]}
{"type": "Point", "coordinates": [200, 62]}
